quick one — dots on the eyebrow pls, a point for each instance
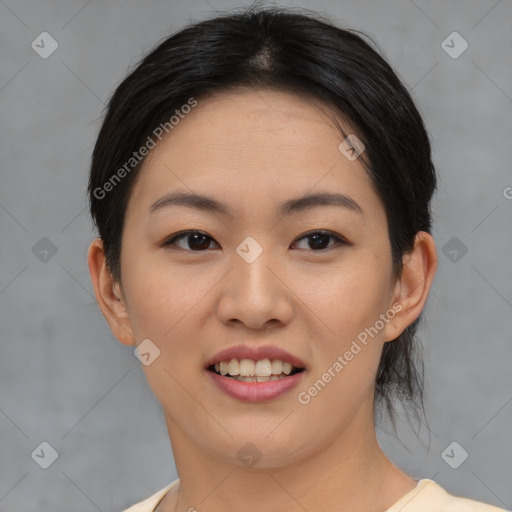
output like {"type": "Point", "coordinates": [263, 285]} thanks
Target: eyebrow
{"type": "Point", "coordinates": [289, 207]}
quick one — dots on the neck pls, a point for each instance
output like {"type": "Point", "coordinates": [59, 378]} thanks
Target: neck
{"type": "Point", "coordinates": [349, 473]}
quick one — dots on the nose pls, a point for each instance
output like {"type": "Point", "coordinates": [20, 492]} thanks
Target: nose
{"type": "Point", "coordinates": [255, 294]}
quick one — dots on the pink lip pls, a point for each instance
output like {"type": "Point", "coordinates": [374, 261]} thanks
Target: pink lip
{"type": "Point", "coordinates": [255, 391]}
{"type": "Point", "coordinates": [256, 354]}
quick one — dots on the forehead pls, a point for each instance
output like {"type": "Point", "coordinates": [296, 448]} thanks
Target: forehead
{"type": "Point", "coordinates": [253, 144]}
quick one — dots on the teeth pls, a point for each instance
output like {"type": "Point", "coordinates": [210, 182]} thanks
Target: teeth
{"type": "Point", "coordinates": [263, 368]}
{"type": "Point", "coordinates": [259, 379]}
{"type": "Point", "coordinates": [224, 367]}
{"type": "Point", "coordinates": [248, 370]}
{"type": "Point", "coordinates": [277, 367]}
{"type": "Point", "coordinates": [234, 367]}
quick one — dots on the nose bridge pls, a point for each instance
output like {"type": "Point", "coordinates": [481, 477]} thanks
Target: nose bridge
{"type": "Point", "coordinates": [252, 293]}
{"type": "Point", "coordinates": [252, 262]}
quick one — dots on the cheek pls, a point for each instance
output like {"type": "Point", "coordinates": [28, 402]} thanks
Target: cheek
{"type": "Point", "coordinates": [162, 310]}
{"type": "Point", "coordinates": [351, 296]}
{"type": "Point", "coordinates": [166, 301]}
{"type": "Point", "coordinates": [348, 303]}
{"type": "Point", "coordinates": [159, 294]}
{"type": "Point", "coordinates": [164, 307]}
{"type": "Point", "coordinates": [169, 305]}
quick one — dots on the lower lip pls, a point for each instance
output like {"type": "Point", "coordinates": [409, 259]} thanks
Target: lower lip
{"type": "Point", "coordinates": [255, 391]}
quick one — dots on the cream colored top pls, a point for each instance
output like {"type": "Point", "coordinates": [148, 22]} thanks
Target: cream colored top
{"type": "Point", "coordinates": [427, 496]}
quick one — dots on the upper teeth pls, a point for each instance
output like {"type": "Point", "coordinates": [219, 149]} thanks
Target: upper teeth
{"type": "Point", "coordinates": [250, 368]}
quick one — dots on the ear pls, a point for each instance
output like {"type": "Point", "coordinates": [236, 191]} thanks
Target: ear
{"type": "Point", "coordinates": [109, 294]}
{"type": "Point", "coordinates": [413, 286]}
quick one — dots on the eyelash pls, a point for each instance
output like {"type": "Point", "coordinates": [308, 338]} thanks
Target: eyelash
{"type": "Point", "coordinates": [340, 241]}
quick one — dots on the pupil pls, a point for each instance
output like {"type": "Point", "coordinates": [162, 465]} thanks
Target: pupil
{"type": "Point", "coordinates": [195, 245]}
{"type": "Point", "coordinates": [323, 238]}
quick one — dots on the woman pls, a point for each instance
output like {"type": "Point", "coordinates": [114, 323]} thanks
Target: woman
{"type": "Point", "coordinates": [261, 186]}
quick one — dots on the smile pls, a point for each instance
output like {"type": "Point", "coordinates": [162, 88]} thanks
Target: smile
{"type": "Point", "coordinates": [253, 381]}
{"type": "Point", "coordinates": [248, 370]}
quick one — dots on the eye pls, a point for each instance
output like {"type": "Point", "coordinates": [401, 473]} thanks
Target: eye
{"type": "Point", "coordinates": [319, 240]}
{"type": "Point", "coordinates": [197, 240]}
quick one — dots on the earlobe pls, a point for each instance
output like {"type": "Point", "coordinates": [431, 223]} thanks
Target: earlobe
{"type": "Point", "coordinates": [412, 289]}
{"type": "Point", "coordinates": [108, 294]}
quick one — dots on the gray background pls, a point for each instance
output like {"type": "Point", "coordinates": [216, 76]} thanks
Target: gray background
{"type": "Point", "coordinates": [66, 380]}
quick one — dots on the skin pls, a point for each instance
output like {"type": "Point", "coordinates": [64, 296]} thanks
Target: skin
{"type": "Point", "coordinates": [252, 150]}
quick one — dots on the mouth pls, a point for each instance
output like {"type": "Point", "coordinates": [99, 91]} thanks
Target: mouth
{"type": "Point", "coordinates": [249, 370]}
{"type": "Point", "coordinates": [255, 374]}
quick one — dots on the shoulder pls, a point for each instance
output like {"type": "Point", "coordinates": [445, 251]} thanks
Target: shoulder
{"type": "Point", "coordinates": [428, 496]}
{"type": "Point", "coordinates": [149, 504]}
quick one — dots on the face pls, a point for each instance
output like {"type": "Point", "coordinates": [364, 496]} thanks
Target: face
{"type": "Point", "coordinates": [311, 284]}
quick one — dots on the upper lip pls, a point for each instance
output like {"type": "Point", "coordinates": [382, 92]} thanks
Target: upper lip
{"type": "Point", "coordinates": [256, 354]}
